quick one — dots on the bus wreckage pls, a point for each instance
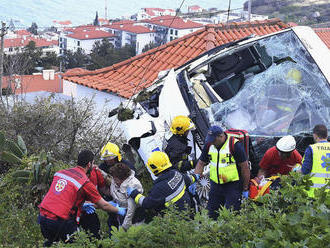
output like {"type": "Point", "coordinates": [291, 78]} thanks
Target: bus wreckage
{"type": "Point", "coordinates": [271, 86]}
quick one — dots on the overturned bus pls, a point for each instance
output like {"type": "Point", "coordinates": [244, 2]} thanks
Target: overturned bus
{"type": "Point", "coordinates": [271, 86]}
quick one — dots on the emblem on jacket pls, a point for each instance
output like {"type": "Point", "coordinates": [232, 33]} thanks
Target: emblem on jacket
{"type": "Point", "coordinates": [60, 185]}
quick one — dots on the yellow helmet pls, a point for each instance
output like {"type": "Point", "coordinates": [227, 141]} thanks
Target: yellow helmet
{"type": "Point", "coordinates": [158, 162]}
{"type": "Point", "coordinates": [110, 150]}
{"type": "Point", "coordinates": [181, 124]}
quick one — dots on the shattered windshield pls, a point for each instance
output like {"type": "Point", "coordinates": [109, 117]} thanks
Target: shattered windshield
{"type": "Point", "coordinates": [290, 96]}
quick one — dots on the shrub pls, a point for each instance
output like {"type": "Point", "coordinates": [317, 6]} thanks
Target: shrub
{"type": "Point", "coordinates": [61, 127]}
{"type": "Point", "coordinates": [285, 218]}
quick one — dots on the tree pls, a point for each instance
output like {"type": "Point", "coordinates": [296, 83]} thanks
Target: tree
{"type": "Point", "coordinates": [49, 60]}
{"type": "Point", "coordinates": [96, 20]}
{"type": "Point", "coordinates": [104, 54]}
{"type": "Point", "coordinates": [32, 54]}
{"type": "Point", "coordinates": [75, 59]}
{"type": "Point", "coordinates": [149, 46]}
{"type": "Point", "coordinates": [33, 29]}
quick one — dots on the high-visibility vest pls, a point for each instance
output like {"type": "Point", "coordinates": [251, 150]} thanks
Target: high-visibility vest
{"type": "Point", "coordinates": [320, 171]}
{"type": "Point", "coordinates": [223, 167]}
{"type": "Point", "coordinates": [61, 198]}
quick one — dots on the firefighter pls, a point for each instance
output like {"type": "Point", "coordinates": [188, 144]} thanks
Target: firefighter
{"type": "Point", "coordinates": [317, 159]}
{"type": "Point", "coordinates": [177, 147]}
{"type": "Point", "coordinates": [110, 154]}
{"type": "Point", "coordinates": [229, 170]}
{"type": "Point", "coordinates": [169, 188]}
{"type": "Point", "coordinates": [59, 210]}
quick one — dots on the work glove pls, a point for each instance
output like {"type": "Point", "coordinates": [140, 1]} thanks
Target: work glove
{"type": "Point", "coordinates": [197, 176]}
{"type": "Point", "coordinates": [297, 168]}
{"type": "Point", "coordinates": [245, 194]}
{"type": "Point", "coordinates": [88, 208]}
{"type": "Point", "coordinates": [192, 189]}
{"type": "Point", "coordinates": [121, 211]}
{"type": "Point", "coordinates": [129, 190]}
{"type": "Point", "coordinates": [115, 204]}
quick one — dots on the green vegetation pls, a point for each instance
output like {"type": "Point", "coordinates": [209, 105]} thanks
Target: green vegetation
{"type": "Point", "coordinates": [284, 218]}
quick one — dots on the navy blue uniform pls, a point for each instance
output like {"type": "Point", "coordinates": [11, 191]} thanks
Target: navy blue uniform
{"type": "Point", "coordinates": [228, 194]}
{"type": "Point", "coordinates": [169, 188]}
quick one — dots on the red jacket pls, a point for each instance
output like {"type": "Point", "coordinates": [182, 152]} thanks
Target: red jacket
{"type": "Point", "coordinates": [63, 194]}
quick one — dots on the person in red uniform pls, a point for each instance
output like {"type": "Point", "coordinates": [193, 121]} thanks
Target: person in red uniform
{"type": "Point", "coordinates": [280, 159]}
{"type": "Point", "coordinates": [89, 219]}
{"type": "Point", "coordinates": [69, 190]}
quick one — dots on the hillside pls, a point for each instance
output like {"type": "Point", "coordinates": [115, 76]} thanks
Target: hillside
{"type": "Point", "coordinates": [303, 12]}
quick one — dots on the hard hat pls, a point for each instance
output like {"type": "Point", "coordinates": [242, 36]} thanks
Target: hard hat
{"type": "Point", "coordinates": [110, 150]}
{"type": "Point", "coordinates": [294, 75]}
{"type": "Point", "coordinates": [286, 144]}
{"type": "Point", "coordinates": [158, 162]}
{"type": "Point", "coordinates": [181, 124]}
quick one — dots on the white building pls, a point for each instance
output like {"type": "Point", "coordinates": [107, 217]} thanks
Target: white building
{"type": "Point", "coordinates": [147, 13]}
{"type": "Point", "coordinates": [83, 37]}
{"type": "Point", "coordinates": [16, 45]}
{"type": "Point", "coordinates": [130, 33]}
{"type": "Point", "coordinates": [168, 28]}
{"type": "Point", "coordinates": [195, 9]}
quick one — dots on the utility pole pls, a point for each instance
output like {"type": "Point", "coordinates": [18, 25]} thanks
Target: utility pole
{"type": "Point", "coordinates": [249, 10]}
{"type": "Point", "coordinates": [2, 37]}
{"type": "Point", "coordinates": [105, 10]}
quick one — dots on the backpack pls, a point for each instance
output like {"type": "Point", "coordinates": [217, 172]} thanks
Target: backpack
{"type": "Point", "coordinates": [242, 136]}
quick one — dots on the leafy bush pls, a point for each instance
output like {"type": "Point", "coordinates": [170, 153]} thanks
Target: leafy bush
{"type": "Point", "coordinates": [62, 128]}
{"type": "Point", "coordinates": [285, 218]}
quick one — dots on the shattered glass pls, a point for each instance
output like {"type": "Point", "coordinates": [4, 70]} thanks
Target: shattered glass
{"type": "Point", "coordinates": [290, 97]}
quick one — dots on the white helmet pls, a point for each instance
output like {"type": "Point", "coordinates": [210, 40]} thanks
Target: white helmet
{"type": "Point", "coordinates": [286, 144]}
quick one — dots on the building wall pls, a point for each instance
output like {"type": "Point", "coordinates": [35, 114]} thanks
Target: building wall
{"type": "Point", "coordinates": [87, 45]}
{"type": "Point", "coordinates": [99, 97]}
{"type": "Point", "coordinates": [142, 40]}
{"type": "Point", "coordinates": [173, 34]}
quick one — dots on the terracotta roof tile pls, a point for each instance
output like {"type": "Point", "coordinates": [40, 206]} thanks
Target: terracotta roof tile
{"type": "Point", "coordinates": [127, 77]}
{"type": "Point", "coordinates": [173, 22]}
{"type": "Point", "coordinates": [324, 34]}
{"type": "Point", "coordinates": [33, 83]}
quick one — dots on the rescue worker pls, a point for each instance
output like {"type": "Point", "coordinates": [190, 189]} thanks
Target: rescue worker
{"type": "Point", "coordinates": [177, 147]}
{"type": "Point", "coordinates": [69, 189]}
{"type": "Point", "coordinates": [89, 219]}
{"type": "Point", "coordinates": [229, 170]}
{"type": "Point", "coordinates": [281, 158]}
{"type": "Point", "coordinates": [110, 154]}
{"type": "Point", "coordinates": [316, 159]}
{"type": "Point", "coordinates": [169, 188]}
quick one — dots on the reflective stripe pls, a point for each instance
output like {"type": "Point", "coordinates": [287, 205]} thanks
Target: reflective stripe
{"type": "Point", "coordinates": [72, 180]}
{"type": "Point", "coordinates": [319, 185]}
{"type": "Point", "coordinates": [139, 199]}
{"type": "Point", "coordinates": [175, 196]}
{"type": "Point", "coordinates": [325, 175]}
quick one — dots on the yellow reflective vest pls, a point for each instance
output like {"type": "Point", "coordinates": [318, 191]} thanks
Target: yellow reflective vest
{"type": "Point", "coordinates": [321, 169]}
{"type": "Point", "coordinates": [223, 167]}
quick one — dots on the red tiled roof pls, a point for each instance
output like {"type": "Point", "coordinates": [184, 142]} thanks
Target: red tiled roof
{"type": "Point", "coordinates": [324, 34]}
{"type": "Point", "coordinates": [150, 11]}
{"type": "Point", "coordinates": [173, 22]}
{"type": "Point", "coordinates": [68, 22]}
{"type": "Point", "coordinates": [34, 83]}
{"type": "Point", "coordinates": [74, 71]}
{"type": "Point", "coordinates": [90, 34]}
{"type": "Point", "coordinates": [22, 32]}
{"type": "Point", "coordinates": [137, 29]}
{"type": "Point", "coordinates": [130, 76]}
{"type": "Point", "coordinates": [20, 42]}
{"type": "Point", "coordinates": [194, 7]}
